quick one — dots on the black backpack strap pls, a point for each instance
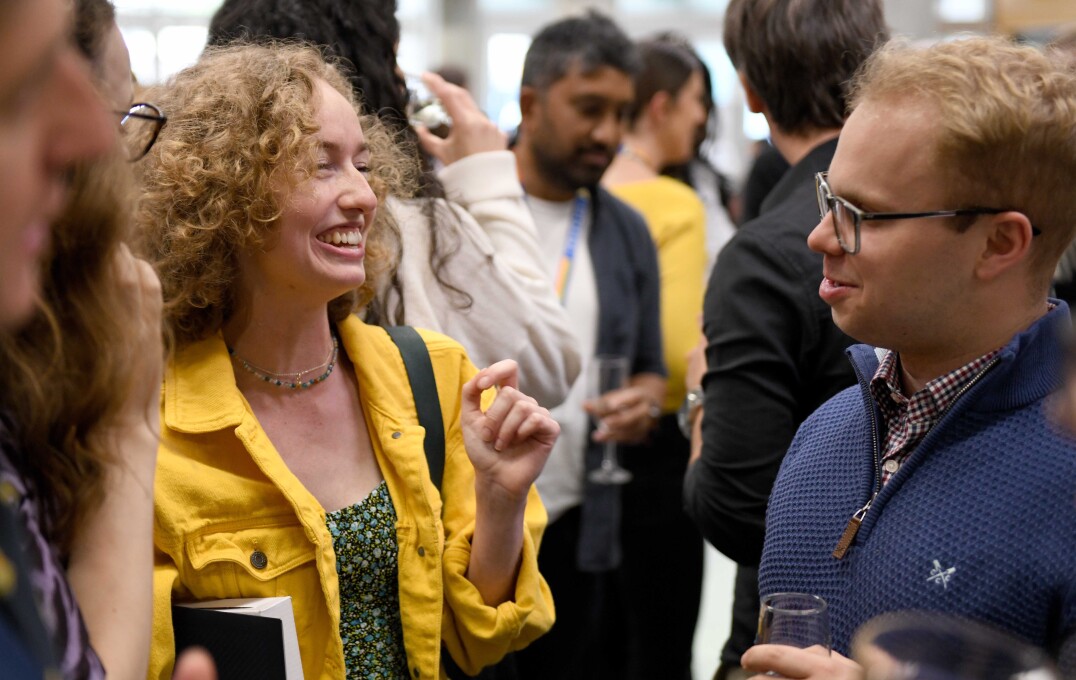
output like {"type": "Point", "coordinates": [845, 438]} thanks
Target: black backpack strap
{"type": "Point", "coordinates": [416, 360]}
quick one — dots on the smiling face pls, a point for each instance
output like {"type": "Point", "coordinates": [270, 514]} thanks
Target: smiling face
{"type": "Point", "coordinates": [574, 127]}
{"type": "Point", "coordinates": [50, 118]}
{"type": "Point", "coordinates": [317, 251]}
{"type": "Point", "coordinates": [907, 287]}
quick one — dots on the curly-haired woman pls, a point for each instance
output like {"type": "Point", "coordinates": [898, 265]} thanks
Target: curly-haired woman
{"type": "Point", "coordinates": [469, 266]}
{"type": "Point", "coordinates": [292, 462]}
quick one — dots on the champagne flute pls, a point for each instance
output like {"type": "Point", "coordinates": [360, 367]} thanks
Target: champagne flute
{"type": "Point", "coordinates": [608, 372]}
{"type": "Point", "coordinates": [795, 619]}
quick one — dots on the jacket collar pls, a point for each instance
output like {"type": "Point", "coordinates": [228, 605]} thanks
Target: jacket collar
{"type": "Point", "coordinates": [1029, 367]}
{"type": "Point", "coordinates": [200, 394]}
{"type": "Point", "coordinates": [816, 160]}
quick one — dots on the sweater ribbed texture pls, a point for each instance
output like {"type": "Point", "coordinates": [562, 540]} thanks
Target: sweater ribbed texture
{"type": "Point", "coordinates": [980, 521]}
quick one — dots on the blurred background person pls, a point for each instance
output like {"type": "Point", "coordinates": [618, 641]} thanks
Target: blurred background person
{"type": "Point", "coordinates": [577, 87]}
{"type": "Point", "coordinates": [767, 169]}
{"type": "Point", "coordinates": [467, 261]}
{"type": "Point", "coordinates": [713, 187]}
{"type": "Point", "coordinates": [665, 586]}
{"type": "Point", "coordinates": [773, 354]}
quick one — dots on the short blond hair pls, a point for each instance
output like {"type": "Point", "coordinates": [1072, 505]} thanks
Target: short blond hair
{"type": "Point", "coordinates": [1006, 117]}
{"type": "Point", "coordinates": [241, 124]}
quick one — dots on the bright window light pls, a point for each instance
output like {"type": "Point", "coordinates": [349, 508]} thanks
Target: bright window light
{"type": "Point", "coordinates": [962, 11]}
{"type": "Point", "coordinates": [178, 47]}
{"type": "Point", "coordinates": [505, 53]}
{"type": "Point", "coordinates": [142, 45]}
{"type": "Point", "coordinates": [755, 126]}
{"type": "Point", "coordinates": [411, 54]}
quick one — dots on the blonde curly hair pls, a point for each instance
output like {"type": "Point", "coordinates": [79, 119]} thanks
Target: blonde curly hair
{"type": "Point", "coordinates": [241, 125]}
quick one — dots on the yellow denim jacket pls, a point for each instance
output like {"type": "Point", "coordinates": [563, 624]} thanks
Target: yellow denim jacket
{"type": "Point", "coordinates": [223, 492]}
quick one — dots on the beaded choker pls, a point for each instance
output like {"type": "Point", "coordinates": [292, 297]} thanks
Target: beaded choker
{"type": "Point", "coordinates": [296, 377]}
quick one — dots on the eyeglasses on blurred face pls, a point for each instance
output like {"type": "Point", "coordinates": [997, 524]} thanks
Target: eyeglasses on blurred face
{"type": "Point", "coordinates": [140, 126]}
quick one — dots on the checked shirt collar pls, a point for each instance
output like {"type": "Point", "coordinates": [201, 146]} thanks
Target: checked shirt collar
{"type": "Point", "coordinates": [906, 420]}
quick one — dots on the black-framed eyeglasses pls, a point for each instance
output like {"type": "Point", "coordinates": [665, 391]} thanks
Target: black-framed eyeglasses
{"type": "Point", "coordinates": [847, 218]}
{"type": "Point", "coordinates": [140, 126]}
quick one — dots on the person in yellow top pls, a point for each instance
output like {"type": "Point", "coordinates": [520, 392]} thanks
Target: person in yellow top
{"type": "Point", "coordinates": [663, 124]}
{"type": "Point", "coordinates": [291, 460]}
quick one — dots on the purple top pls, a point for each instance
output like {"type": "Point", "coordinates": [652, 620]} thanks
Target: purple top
{"type": "Point", "coordinates": [55, 601]}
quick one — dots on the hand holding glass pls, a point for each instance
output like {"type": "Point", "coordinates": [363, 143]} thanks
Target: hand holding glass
{"type": "Point", "coordinates": [793, 619]}
{"type": "Point", "coordinates": [608, 373]}
{"type": "Point", "coordinates": [424, 108]}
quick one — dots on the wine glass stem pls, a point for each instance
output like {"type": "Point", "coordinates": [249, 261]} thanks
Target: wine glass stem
{"type": "Point", "coordinates": [609, 461]}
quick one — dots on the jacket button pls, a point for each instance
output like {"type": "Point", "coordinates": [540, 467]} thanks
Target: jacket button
{"type": "Point", "coordinates": [397, 435]}
{"type": "Point", "coordinates": [421, 551]}
{"type": "Point", "coordinates": [258, 560]}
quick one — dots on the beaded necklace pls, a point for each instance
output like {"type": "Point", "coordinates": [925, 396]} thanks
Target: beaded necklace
{"type": "Point", "coordinates": [281, 379]}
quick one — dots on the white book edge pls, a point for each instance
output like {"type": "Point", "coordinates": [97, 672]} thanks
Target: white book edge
{"type": "Point", "coordinates": [269, 607]}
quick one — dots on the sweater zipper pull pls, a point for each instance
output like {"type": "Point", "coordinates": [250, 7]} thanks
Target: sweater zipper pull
{"type": "Point", "coordinates": [851, 530]}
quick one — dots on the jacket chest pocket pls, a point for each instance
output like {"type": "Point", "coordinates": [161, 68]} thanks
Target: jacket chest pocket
{"type": "Point", "coordinates": [248, 560]}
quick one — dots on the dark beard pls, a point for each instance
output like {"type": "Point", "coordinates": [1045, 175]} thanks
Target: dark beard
{"type": "Point", "coordinates": [565, 173]}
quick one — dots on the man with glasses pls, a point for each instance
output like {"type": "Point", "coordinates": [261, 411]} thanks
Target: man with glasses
{"type": "Point", "coordinates": [937, 483]}
{"type": "Point", "coordinates": [773, 353]}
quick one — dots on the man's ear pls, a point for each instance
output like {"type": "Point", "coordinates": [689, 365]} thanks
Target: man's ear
{"type": "Point", "coordinates": [1009, 238]}
{"type": "Point", "coordinates": [528, 100]}
{"type": "Point", "coordinates": [754, 101]}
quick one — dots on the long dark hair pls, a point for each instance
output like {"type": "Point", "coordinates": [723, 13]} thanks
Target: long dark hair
{"type": "Point", "coordinates": [66, 372]}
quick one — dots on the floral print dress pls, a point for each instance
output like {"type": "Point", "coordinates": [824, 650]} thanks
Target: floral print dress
{"type": "Point", "coordinates": [364, 538]}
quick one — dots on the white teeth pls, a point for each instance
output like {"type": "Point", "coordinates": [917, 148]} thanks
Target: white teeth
{"type": "Point", "coordinates": [341, 238]}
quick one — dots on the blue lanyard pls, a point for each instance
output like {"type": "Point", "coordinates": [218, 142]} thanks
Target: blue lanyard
{"type": "Point", "coordinates": [567, 260]}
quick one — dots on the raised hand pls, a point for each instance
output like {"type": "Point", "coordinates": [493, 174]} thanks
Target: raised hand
{"type": "Point", "coordinates": [509, 443]}
{"type": "Point", "coordinates": [143, 292]}
{"type": "Point", "coordinates": [472, 132]}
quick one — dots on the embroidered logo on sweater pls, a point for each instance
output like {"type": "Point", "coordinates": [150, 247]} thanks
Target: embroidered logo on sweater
{"type": "Point", "coordinates": [941, 575]}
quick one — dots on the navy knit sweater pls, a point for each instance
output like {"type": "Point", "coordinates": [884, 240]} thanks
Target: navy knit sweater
{"type": "Point", "coordinates": [980, 521]}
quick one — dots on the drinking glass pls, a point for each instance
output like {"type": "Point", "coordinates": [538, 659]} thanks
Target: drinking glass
{"type": "Point", "coordinates": [794, 619]}
{"type": "Point", "coordinates": [608, 372]}
{"type": "Point", "coordinates": [935, 646]}
{"type": "Point", "coordinates": [423, 108]}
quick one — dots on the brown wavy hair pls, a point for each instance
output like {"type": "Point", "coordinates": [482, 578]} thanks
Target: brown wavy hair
{"type": "Point", "coordinates": [66, 373]}
{"type": "Point", "coordinates": [242, 124]}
